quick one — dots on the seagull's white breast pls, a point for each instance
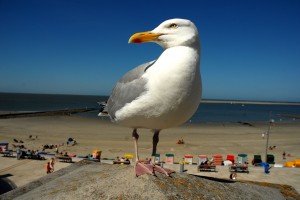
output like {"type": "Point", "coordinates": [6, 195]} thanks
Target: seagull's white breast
{"type": "Point", "coordinates": [174, 92]}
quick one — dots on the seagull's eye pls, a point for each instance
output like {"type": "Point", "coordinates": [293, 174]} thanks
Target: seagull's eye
{"type": "Point", "coordinates": [173, 26]}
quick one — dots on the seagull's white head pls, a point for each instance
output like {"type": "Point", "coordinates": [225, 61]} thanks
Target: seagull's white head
{"type": "Point", "coordinates": [170, 33]}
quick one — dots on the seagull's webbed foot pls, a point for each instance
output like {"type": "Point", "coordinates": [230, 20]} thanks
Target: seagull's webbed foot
{"type": "Point", "coordinates": [159, 169]}
{"type": "Point", "coordinates": [155, 167]}
{"type": "Point", "coordinates": [140, 169]}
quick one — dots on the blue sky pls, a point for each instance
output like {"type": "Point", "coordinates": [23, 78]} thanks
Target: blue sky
{"type": "Point", "coordinates": [250, 49]}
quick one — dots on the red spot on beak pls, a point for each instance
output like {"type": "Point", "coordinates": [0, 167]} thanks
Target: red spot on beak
{"type": "Point", "coordinates": [137, 40]}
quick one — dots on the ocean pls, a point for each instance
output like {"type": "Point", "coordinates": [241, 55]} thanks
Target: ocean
{"type": "Point", "coordinates": [207, 112]}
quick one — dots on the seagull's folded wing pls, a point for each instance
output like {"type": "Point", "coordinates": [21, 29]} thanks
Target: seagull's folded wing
{"type": "Point", "coordinates": [127, 89]}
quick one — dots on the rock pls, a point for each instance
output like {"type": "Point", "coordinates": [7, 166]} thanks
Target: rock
{"type": "Point", "coordinates": [91, 180]}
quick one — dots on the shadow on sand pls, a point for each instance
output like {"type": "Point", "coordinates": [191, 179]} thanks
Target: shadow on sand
{"type": "Point", "coordinates": [6, 185]}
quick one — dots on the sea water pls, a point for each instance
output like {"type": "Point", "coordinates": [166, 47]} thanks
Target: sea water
{"type": "Point", "coordinates": [207, 112]}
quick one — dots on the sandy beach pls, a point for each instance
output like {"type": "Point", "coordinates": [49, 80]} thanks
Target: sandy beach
{"type": "Point", "coordinates": [114, 140]}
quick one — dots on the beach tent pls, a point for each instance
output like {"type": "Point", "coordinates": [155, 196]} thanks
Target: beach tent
{"type": "Point", "coordinates": [169, 158]}
{"type": "Point", "coordinates": [217, 159]}
{"type": "Point", "coordinates": [202, 159]}
{"type": "Point", "coordinates": [3, 146]}
{"type": "Point", "coordinates": [97, 154]}
{"type": "Point", "coordinates": [230, 157]}
{"type": "Point", "coordinates": [270, 159]}
{"type": "Point", "coordinates": [188, 159]}
{"type": "Point", "coordinates": [242, 158]}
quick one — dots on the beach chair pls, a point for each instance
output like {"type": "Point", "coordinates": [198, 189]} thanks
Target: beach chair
{"type": "Point", "coordinates": [242, 165]}
{"type": "Point", "coordinates": [202, 159]}
{"type": "Point", "coordinates": [256, 160]}
{"type": "Point", "coordinates": [188, 159]}
{"type": "Point", "coordinates": [239, 168]}
{"type": "Point", "coordinates": [7, 153]}
{"type": "Point", "coordinates": [125, 160]}
{"type": "Point", "coordinates": [35, 157]}
{"type": "Point", "coordinates": [230, 157]}
{"type": "Point", "coordinates": [204, 165]}
{"type": "Point", "coordinates": [242, 158]}
{"type": "Point", "coordinates": [121, 162]}
{"type": "Point", "coordinates": [157, 158]}
{"type": "Point", "coordinates": [270, 159]}
{"type": "Point", "coordinates": [169, 158]}
{"type": "Point", "coordinates": [217, 159]}
{"type": "Point", "coordinates": [207, 168]}
{"type": "Point", "coordinates": [64, 159]}
{"type": "Point", "coordinates": [129, 157]}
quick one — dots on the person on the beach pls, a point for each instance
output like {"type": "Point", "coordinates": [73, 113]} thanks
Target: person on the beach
{"type": "Point", "coordinates": [48, 168]}
{"type": "Point", "coordinates": [52, 162]}
{"type": "Point", "coordinates": [283, 155]}
{"type": "Point", "coordinates": [270, 148]}
{"type": "Point", "coordinates": [18, 149]}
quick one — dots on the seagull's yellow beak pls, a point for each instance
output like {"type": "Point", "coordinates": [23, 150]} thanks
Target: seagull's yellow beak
{"type": "Point", "coordinates": [141, 37]}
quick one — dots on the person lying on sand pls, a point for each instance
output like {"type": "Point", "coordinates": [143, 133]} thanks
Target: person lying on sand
{"type": "Point", "coordinates": [180, 141]}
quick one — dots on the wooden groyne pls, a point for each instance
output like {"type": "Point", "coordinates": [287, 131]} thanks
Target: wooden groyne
{"type": "Point", "coordinates": [289, 116]}
{"type": "Point", "coordinates": [46, 113]}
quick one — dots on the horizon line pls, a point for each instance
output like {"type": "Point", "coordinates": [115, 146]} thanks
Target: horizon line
{"type": "Point", "coordinates": [204, 100]}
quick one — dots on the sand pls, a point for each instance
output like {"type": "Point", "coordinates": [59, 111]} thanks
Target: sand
{"type": "Point", "coordinates": [114, 140]}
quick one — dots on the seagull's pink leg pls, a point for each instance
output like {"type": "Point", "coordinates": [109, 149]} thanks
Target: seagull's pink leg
{"type": "Point", "coordinates": [155, 167]}
{"type": "Point", "coordinates": [139, 168]}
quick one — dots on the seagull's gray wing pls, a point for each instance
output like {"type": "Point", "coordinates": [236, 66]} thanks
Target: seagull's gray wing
{"type": "Point", "coordinates": [127, 89]}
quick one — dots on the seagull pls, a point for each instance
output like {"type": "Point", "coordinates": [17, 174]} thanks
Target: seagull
{"type": "Point", "coordinates": [162, 93]}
